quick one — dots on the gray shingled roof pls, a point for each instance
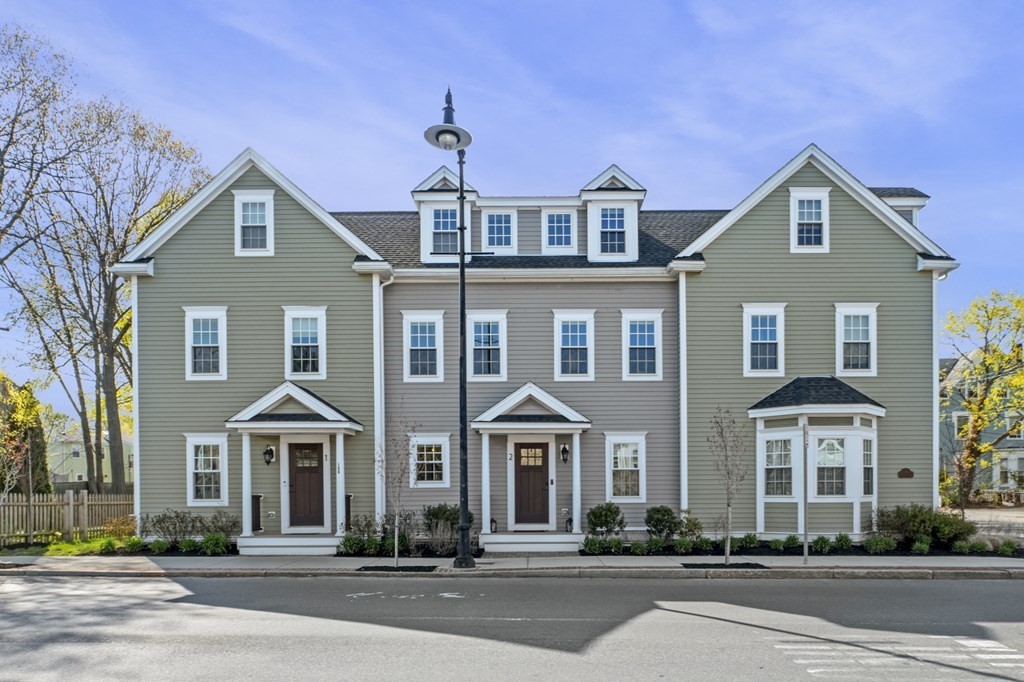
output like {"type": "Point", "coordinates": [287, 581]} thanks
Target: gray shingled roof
{"type": "Point", "coordinates": [662, 235]}
{"type": "Point", "coordinates": [814, 391]}
{"type": "Point", "coordinates": [898, 193]}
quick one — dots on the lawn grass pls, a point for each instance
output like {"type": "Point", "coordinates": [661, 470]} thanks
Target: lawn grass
{"type": "Point", "coordinates": [58, 549]}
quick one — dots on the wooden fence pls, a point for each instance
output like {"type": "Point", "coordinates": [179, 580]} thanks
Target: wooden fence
{"type": "Point", "coordinates": [70, 516]}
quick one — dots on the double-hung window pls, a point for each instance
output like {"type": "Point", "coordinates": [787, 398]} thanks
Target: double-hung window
{"type": "Point", "coordinates": [574, 345]}
{"type": "Point", "coordinates": [446, 231]}
{"type": "Point", "coordinates": [487, 345]}
{"type": "Point", "coordinates": [778, 468]}
{"type": "Point", "coordinates": [868, 461]}
{"type": "Point", "coordinates": [625, 467]}
{"type": "Point", "coordinates": [613, 230]}
{"type": "Point", "coordinates": [808, 220]}
{"type": "Point", "coordinates": [429, 460]}
{"type": "Point", "coordinates": [641, 345]}
{"type": "Point", "coordinates": [423, 345]}
{"type": "Point", "coordinates": [764, 327]}
{"type": "Point", "coordinates": [1014, 426]}
{"type": "Point", "coordinates": [305, 342]}
{"type": "Point", "coordinates": [857, 339]}
{"type": "Point", "coordinates": [831, 467]}
{"type": "Point", "coordinates": [500, 232]}
{"type": "Point", "coordinates": [254, 222]}
{"type": "Point", "coordinates": [206, 343]}
{"type": "Point", "coordinates": [207, 466]}
{"type": "Point", "coordinates": [559, 231]}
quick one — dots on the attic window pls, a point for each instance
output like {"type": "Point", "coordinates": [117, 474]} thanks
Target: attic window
{"type": "Point", "coordinates": [446, 235]}
{"type": "Point", "coordinates": [613, 230]}
{"type": "Point", "coordinates": [808, 219]}
{"type": "Point", "coordinates": [254, 222]}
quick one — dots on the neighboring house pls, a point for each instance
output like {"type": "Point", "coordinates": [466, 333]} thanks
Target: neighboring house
{"type": "Point", "coordinates": [1004, 466]}
{"type": "Point", "coordinates": [601, 338]}
{"type": "Point", "coordinates": [67, 462]}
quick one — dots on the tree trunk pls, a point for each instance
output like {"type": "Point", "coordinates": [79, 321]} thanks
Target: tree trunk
{"type": "Point", "coordinates": [114, 443]}
{"type": "Point", "coordinates": [396, 539]}
{"type": "Point", "coordinates": [728, 531]}
{"type": "Point", "coordinates": [98, 425]}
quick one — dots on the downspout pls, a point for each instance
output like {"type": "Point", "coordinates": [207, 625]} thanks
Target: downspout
{"type": "Point", "coordinates": [379, 431]}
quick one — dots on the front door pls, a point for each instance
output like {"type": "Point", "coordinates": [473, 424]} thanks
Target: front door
{"type": "Point", "coordinates": [306, 484]}
{"type": "Point", "coordinates": [531, 470]}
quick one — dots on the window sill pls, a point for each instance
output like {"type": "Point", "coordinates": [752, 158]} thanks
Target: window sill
{"type": "Point", "coordinates": [206, 377]}
{"type": "Point", "coordinates": [207, 503]}
{"type": "Point", "coordinates": [423, 380]}
{"type": "Point", "coordinates": [305, 377]}
{"type": "Point", "coordinates": [754, 373]}
{"type": "Point", "coordinates": [628, 500]}
{"type": "Point", "coordinates": [253, 252]}
{"type": "Point", "coordinates": [642, 377]}
{"type": "Point", "coordinates": [574, 378]}
{"type": "Point", "coordinates": [418, 486]}
{"type": "Point", "coordinates": [487, 378]}
{"type": "Point", "coordinates": [857, 373]}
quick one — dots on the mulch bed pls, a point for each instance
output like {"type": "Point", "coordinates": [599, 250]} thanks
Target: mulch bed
{"type": "Point", "coordinates": [398, 569]}
{"type": "Point", "coordinates": [735, 564]}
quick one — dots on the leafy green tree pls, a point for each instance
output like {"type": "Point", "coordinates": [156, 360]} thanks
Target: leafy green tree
{"type": "Point", "coordinates": [21, 430]}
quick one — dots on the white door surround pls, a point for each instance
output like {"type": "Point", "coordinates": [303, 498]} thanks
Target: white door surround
{"type": "Point", "coordinates": [284, 454]}
{"type": "Point", "coordinates": [513, 440]}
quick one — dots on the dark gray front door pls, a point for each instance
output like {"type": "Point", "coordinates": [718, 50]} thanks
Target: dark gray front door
{"type": "Point", "coordinates": [531, 470]}
{"type": "Point", "coordinates": [306, 484]}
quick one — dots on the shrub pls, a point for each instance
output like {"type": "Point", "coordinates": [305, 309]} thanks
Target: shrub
{"type": "Point", "coordinates": [615, 545]}
{"type": "Point", "coordinates": [821, 544]}
{"type": "Point", "coordinates": [442, 537]}
{"type": "Point", "coordinates": [592, 545]}
{"type": "Point", "coordinates": [638, 548]}
{"type": "Point", "coordinates": [1007, 547]}
{"type": "Point", "coordinates": [907, 524]}
{"type": "Point", "coordinates": [749, 541]}
{"type": "Point", "coordinates": [655, 545]}
{"type": "Point", "coordinates": [108, 546]}
{"type": "Point", "coordinates": [922, 545]}
{"type": "Point", "coordinates": [228, 525]}
{"type": "Point", "coordinates": [735, 545]}
{"type": "Point", "coordinates": [961, 547]}
{"type": "Point", "coordinates": [389, 544]}
{"type": "Point", "coordinates": [791, 541]}
{"type": "Point", "coordinates": [684, 546]}
{"type": "Point", "coordinates": [120, 528]}
{"type": "Point", "coordinates": [407, 524]}
{"type": "Point", "coordinates": [879, 544]}
{"type": "Point", "coordinates": [704, 545]}
{"type": "Point", "coordinates": [351, 544]}
{"type": "Point", "coordinates": [777, 545]}
{"type": "Point", "coordinates": [662, 522]}
{"type": "Point", "coordinates": [172, 525]}
{"type": "Point", "coordinates": [188, 545]}
{"type": "Point", "coordinates": [979, 546]}
{"type": "Point", "coordinates": [159, 546]}
{"type": "Point", "coordinates": [371, 546]}
{"type": "Point", "coordinates": [214, 544]}
{"type": "Point", "coordinates": [605, 519]}
{"type": "Point", "coordinates": [843, 542]}
{"type": "Point", "coordinates": [443, 513]}
{"type": "Point", "coordinates": [364, 526]}
{"type": "Point", "coordinates": [950, 528]}
{"type": "Point", "coordinates": [134, 544]}
{"type": "Point", "coordinates": [690, 527]}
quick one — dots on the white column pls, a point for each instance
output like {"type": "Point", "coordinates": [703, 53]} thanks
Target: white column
{"type": "Point", "coordinates": [485, 483]}
{"type": "Point", "coordinates": [339, 479]}
{"type": "Point", "coordinates": [377, 305]}
{"type": "Point", "coordinates": [684, 434]}
{"type": "Point", "coordinates": [246, 485]}
{"type": "Point", "coordinates": [577, 510]}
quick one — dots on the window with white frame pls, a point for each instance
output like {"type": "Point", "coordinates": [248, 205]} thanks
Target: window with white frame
{"type": "Point", "coordinates": [626, 478]}
{"type": "Point", "coordinates": [868, 461]}
{"type": "Point", "coordinates": [76, 453]}
{"type": "Point", "coordinates": [808, 220]}
{"type": "Point", "coordinates": [641, 345]}
{"type": "Point", "coordinates": [487, 345]}
{"type": "Point", "coordinates": [574, 345]}
{"type": "Point", "coordinates": [559, 231]}
{"type": "Point", "coordinates": [423, 345]}
{"type": "Point", "coordinates": [613, 230]}
{"type": "Point", "coordinates": [429, 460]}
{"type": "Point", "coordinates": [856, 339]}
{"type": "Point", "coordinates": [830, 463]}
{"type": "Point", "coordinates": [960, 422]}
{"type": "Point", "coordinates": [764, 326]}
{"type": "Point", "coordinates": [500, 232]}
{"type": "Point", "coordinates": [206, 343]}
{"type": "Point", "coordinates": [778, 468]}
{"type": "Point", "coordinates": [445, 231]}
{"type": "Point", "coordinates": [207, 465]}
{"type": "Point", "coordinates": [254, 222]}
{"type": "Point", "coordinates": [1014, 426]}
{"type": "Point", "coordinates": [305, 342]}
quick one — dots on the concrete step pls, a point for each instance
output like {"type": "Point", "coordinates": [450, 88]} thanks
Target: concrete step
{"type": "Point", "coordinates": [525, 544]}
{"type": "Point", "coordinates": [288, 545]}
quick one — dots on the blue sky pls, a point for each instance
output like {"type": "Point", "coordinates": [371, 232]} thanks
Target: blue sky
{"type": "Point", "coordinates": [699, 101]}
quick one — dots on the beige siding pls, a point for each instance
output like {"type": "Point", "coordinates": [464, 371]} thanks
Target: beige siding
{"type": "Point", "coordinates": [780, 517]}
{"type": "Point", "coordinates": [868, 262]}
{"type": "Point", "coordinates": [866, 517]}
{"type": "Point", "coordinates": [196, 267]}
{"type": "Point", "coordinates": [830, 517]}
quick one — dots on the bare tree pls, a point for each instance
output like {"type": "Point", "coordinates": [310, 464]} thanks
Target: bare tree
{"type": "Point", "coordinates": [395, 467]}
{"type": "Point", "coordinates": [730, 447]}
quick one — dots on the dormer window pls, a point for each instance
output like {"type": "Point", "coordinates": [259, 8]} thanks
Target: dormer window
{"type": "Point", "coordinates": [439, 232]}
{"type": "Point", "coordinates": [446, 231]}
{"type": "Point", "coordinates": [500, 229]}
{"type": "Point", "coordinates": [254, 222]}
{"type": "Point", "coordinates": [559, 231]}
{"type": "Point", "coordinates": [808, 219]}
{"type": "Point", "coordinates": [613, 230]}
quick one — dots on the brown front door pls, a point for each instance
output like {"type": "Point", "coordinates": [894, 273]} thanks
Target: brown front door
{"type": "Point", "coordinates": [306, 484]}
{"type": "Point", "coordinates": [531, 465]}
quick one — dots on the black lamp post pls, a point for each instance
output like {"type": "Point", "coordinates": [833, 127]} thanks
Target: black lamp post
{"type": "Point", "coordinates": [448, 136]}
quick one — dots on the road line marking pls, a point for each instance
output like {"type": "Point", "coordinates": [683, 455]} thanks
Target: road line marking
{"type": "Point", "coordinates": [982, 644]}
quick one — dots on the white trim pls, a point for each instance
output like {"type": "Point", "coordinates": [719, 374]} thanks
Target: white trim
{"type": "Point", "coordinates": [619, 274]}
{"type": "Point", "coordinates": [522, 394]}
{"type": "Point", "coordinates": [684, 426]}
{"type": "Point", "coordinates": [143, 269]}
{"type": "Point", "coordinates": [289, 390]}
{"type": "Point", "coordinates": [573, 247]}
{"type": "Point", "coordinates": [379, 434]}
{"type": "Point", "coordinates": [527, 202]}
{"type": "Point", "coordinates": [319, 313]}
{"type": "Point", "coordinates": [427, 209]}
{"type": "Point", "coordinates": [501, 317]}
{"type": "Point", "coordinates": [871, 310]}
{"type": "Point", "coordinates": [264, 196]}
{"type": "Point", "coordinates": [191, 441]}
{"type": "Point", "coordinates": [612, 438]}
{"type": "Point", "coordinates": [817, 410]}
{"type": "Point", "coordinates": [247, 529]}
{"type": "Point", "coordinates": [442, 439]}
{"type": "Point", "coordinates": [795, 438]}
{"type": "Point", "coordinates": [642, 315]}
{"type": "Point", "coordinates": [247, 159]}
{"type": "Point", "coordinates": [136, 438]}
{"type": "Point", "coordinates": [339, 487]}
{"type": "Point", "coordinates": [510, 478]}
{"type": "Point", "coordinates": [805, 193]}
{"type": "Point", "coordinates": [577, 486]}
{"type": "Point", "coordinates": [442, 173]}
{"type": "Point", "coordinates": [609, 172]}
{"type": "Point", "coordinates": [936, 399]}
{"type": "Point", "coordinates": [408, 317]}
{"type": "Point", "coordinates": [375, 267]}
{"type": "Point", "coordinates": [567, 315]}
{"type": "Point", "coordinates": [779, 311]}
{"type": "Point", "coordinates": [284, 455]}
{"type": "Point", "coordinates": [219, 313]}
{"type": "Point", "coordinates": [485, 236]}
{"type": "Point", "coordinates": [630, 212]}
{"type": "Point", "coordinates": [840, 176]}
{"type": "Point", "coordinates": [485, 484]}
{"type": "Point", "coordinates": [941, 267]}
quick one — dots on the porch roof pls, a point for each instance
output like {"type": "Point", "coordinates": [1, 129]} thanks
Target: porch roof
{"type": "Point", "coordinates": [817, 395]}
{"type": "Point", "coordinates": [559, 416]}
{"type": "Point", "coordinates": [322, 415]}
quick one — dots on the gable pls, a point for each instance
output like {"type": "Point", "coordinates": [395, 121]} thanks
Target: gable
{"type": "Point", "coordinates": [288, 406]}
{"type": "Point", "coordinates": [528, 407]}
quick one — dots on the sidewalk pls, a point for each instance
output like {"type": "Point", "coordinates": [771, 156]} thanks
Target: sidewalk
{"type": "Point", "coordinates": [925, 567]}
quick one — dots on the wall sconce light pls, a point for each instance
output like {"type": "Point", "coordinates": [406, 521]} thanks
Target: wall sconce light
{"type": "Point", "coordinates": [565, 454]}
{"type": "Point", "coordinates": [268, 455]}
{"type": "Point", "coordinates": [494, 525]}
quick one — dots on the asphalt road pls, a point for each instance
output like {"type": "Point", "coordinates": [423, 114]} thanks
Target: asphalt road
{"type": "Point", "coordinates": [479, 628]}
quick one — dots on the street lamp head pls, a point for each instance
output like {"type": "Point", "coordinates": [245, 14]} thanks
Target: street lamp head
{"type": "Point", "coordinates": [447, 135]}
